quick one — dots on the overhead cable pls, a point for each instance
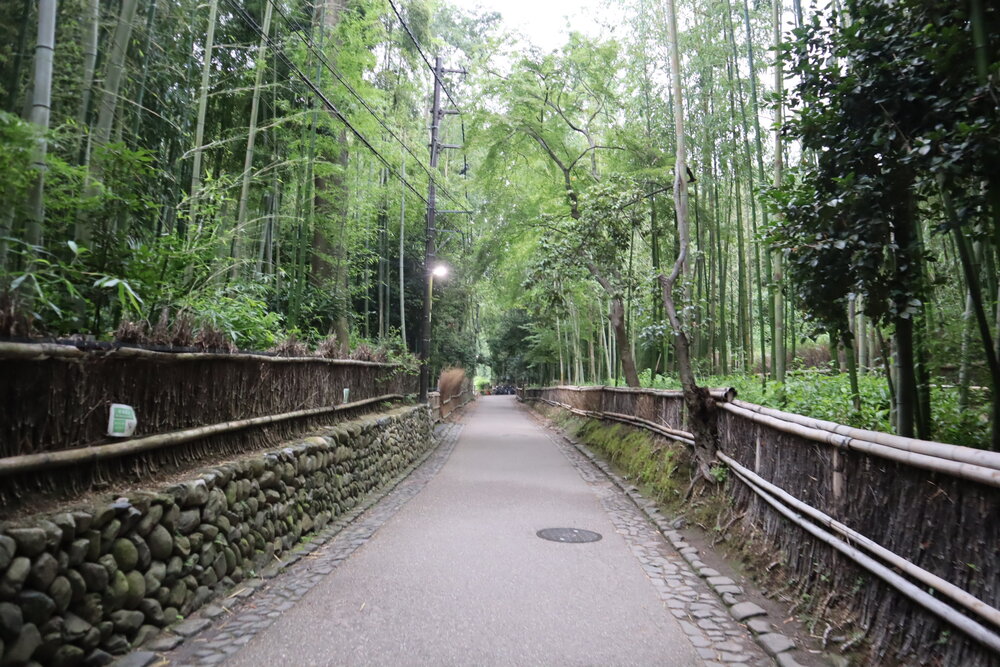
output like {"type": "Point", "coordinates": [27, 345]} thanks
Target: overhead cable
{"type": "Point", "coordinates": [421, 52]}
{"type": "Point", "coordinates": [319, 93]}
{"type": "Point", "coordinates": [315, 50]}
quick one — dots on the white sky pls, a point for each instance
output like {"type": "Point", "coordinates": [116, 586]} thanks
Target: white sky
{"type": "Point", "coordinates": [544, 22]}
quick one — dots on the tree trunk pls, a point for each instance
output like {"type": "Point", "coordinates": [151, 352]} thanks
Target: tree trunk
{"type": "Point", "coordinates": [14, 83]}
{"type": "Point", "coordinates": [199, 132]}
{"type": "Point", "coordinates": [852, 371]}
{"type": "Point", "coordinates": [700, 406]}
{"type": "Point", "coordinates": [778, 342]}
{"type": "Point", "coordinates": [562, 374]}
{"type": "Point", "coordinates": [616, 315]}
{"type": "Point", "coordinates": [329, 259]}
{"type": "Point", "coordinates": [147, 52]}
{"type": "Point", "coordinates": [593, 360]}
{"type": "Point", "coordinates": [861, 337]}
{"type": "Point", "coordinates": [402, 250]}
{"type": "Point", "coordinates": [906, 273]}
{"type": "Point", "coordinates": [91, 30]}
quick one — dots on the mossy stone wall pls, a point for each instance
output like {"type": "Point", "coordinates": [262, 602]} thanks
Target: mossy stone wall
{"type": "Point", "coordinates": [91, 582]}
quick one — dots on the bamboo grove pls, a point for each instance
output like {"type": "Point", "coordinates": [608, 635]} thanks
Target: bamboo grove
{"type": "Point", "coordinates": [807, 135]}
{"type": "Point", "coordinates": [255, 169]}
{"type": "Point", "coordinates": [260, 167]}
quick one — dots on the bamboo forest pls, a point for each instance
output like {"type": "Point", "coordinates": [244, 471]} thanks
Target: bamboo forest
{"type": "Point", "coordinates": [799, 200]}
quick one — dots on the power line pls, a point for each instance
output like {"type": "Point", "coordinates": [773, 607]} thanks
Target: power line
{"type": "Point", "coordinates": [313, 48]}
{"type": "Point", "coordinates": [319, 93]}
{"type": "Point", "coordinates": [438, 81]}
{"type": "Point", "coordinates": [422, 55]}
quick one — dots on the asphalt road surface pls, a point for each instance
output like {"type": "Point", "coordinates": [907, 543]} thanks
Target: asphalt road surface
{"type": "Point", "coordinates": [459, 577]}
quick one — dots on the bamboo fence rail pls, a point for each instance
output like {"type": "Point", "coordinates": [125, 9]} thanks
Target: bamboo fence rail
{"type": "Point", "coordinates": [13, 465]}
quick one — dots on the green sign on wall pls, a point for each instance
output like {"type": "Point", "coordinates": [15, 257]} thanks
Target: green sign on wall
{"type": "Point", "coordinates": [121, 421]}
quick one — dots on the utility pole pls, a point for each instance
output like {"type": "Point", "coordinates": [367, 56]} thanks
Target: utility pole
{"type": "Point", "coordinates": [430, 249]}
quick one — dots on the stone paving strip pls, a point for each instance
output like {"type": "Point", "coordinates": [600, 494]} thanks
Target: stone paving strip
{"type": "Point", "coordinates": [707, 604]}
{"type": "Point", "coordinates": [222, 628]}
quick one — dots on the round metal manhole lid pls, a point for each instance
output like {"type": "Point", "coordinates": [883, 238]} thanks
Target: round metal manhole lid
{"type": "Point", "coordinates": [568, 535]}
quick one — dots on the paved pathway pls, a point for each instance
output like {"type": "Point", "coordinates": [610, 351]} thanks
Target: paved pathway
{"type": "Point", "coordinates": [448, 570]}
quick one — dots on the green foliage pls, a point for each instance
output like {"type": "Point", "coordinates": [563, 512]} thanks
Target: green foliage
{"type": "Point", "coordinates": [889, 108]}
{"type": "Point", "coordinates": [240, 312]}
{"type": "Point", "coordinates": [16, 140]}
{"type": "Point", "coordinates": [819, 394]}
{"type": "Point", "coordinates": [509, 343]}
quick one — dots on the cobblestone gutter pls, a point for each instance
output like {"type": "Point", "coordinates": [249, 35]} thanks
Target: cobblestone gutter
{"type": "Point", "coordinates": [84, 585]}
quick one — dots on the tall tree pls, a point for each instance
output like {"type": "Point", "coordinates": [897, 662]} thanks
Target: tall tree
{"type": "Point", "coordinates": [329, 268]}
{"type": "Point", "coordinates": [697, 399]}
{"type": "Point", "coordinates": [558, 104]}
{"type": "Point", "coordinates": [778, 361]}
{"type": "Point", "coordinates": [260, 64]}
{"type": "Point", "coordinates": [199, 132]}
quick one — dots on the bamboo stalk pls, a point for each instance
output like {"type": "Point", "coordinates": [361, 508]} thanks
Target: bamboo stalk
{"type": "Point", "coordinates": [13, 465]}
{"type": "Point", "coordinates": [973, 472]}
{"type": "Point", "coordinates": [40, 351]}
{"type": "Point", "coordinates": [944, 587]}
{"type": "Point", "coordinates": [978, 457]}
{"type": "Point", "coordinates": [974, 629]}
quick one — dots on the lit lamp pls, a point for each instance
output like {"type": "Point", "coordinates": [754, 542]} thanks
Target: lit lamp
{"type": "Point", "coordinates": [439, 270]}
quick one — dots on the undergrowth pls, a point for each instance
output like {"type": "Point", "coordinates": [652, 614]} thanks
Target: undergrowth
{"type": "Point", "coordinates": [825, 395]}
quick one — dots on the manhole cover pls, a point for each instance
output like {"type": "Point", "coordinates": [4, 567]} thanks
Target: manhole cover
{"type": "Point", "coordinates": [568, 535]}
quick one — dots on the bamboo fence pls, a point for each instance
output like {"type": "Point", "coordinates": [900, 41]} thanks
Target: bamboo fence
{"type": "Point", "coordinates": [191, 407]}
{"type": "Point", "coordinates": [920, 519]}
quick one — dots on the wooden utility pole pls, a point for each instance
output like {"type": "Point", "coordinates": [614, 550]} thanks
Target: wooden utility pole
{"type": "Point", "coordinates": [430, 247]}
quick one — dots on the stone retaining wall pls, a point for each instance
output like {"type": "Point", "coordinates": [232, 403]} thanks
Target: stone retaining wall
{"type": "Point", "coordinates": [91, 582]}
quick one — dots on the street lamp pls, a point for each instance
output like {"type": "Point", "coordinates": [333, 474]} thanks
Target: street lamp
{"type": "Point", "coordinates": [439, 270]}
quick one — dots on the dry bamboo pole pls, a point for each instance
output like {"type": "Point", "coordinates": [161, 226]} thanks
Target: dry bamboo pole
{"type": "Point", "coordinates": [41, 351]}
{"type": "Point", "coordinates": [13, 465]}
{"type": "Point", "coordinates": [675, 434]}
{"type": "Point", "coordinates": [977, 457]}
{"type": "Point", "coordinates": [717, 394]}
{"type": "Point", "coordinates": [972, 628]}
{"type": "Point", "coordinates": [976, 473]}
{"type": "Point", "coordinates": [944, 587]}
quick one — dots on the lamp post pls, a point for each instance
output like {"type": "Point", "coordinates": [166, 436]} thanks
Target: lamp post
{"type": "Point", "coordinates": [439, 270]}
